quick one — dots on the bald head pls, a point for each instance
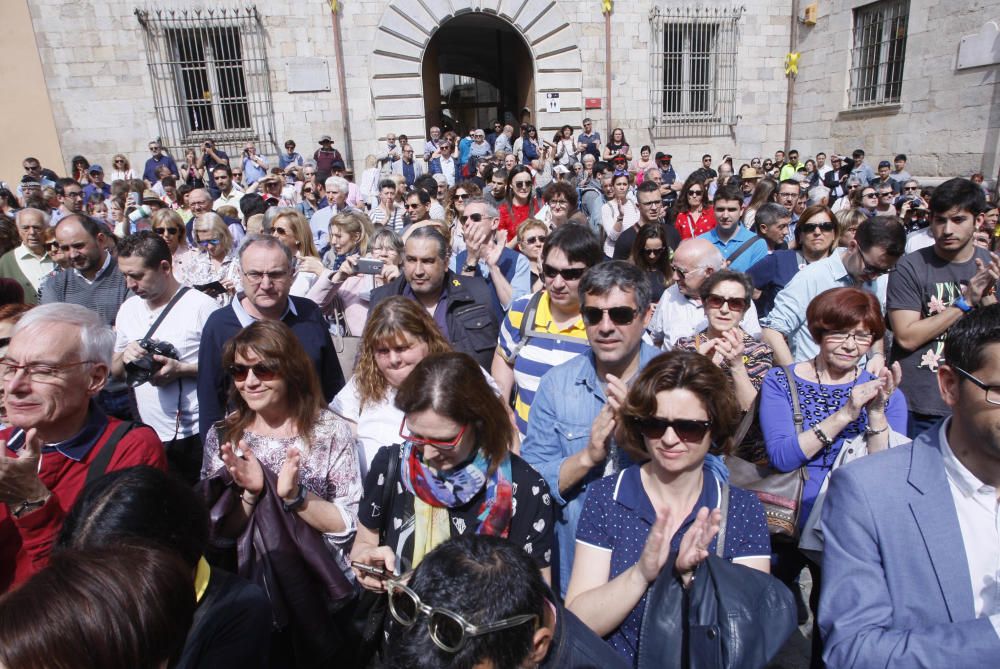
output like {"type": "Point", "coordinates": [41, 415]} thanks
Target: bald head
{"type": "Point", "coordinates": [31, 226]}
{"type": "Point", "coordinates": [694, 260]}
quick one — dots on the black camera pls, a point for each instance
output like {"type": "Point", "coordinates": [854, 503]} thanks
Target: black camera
{"type": "Point", "coordinates": [140, 370]}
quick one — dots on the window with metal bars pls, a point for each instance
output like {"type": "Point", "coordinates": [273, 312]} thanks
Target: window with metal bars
{"type": "Point", "coordinates": [693, 70]}
{"type": "Point", "coordinates": [878, 54]}
{"type": "Point", "coordinates": [210, 76]}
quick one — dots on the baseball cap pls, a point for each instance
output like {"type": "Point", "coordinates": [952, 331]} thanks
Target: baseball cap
{"type": "Point", "coordinates": [95, 168]}
{"type": "Point", "coordinates": [325, 138]}
{"type": "Point", "coordinates": [619, 159]}
{"type": "Point", "coordinates": [885, 163]}
{"type": "Point", "coordinates": [664, 156]}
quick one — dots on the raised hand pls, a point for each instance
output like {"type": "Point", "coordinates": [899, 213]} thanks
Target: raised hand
{"type": "Point", "coordinates": [694, 545]}
{"type": "Point", "coordinates": [600, 430]}
{"type": "Point", "coordinates": [245, 469]}
{"type": "Point", "coordinates": [861, 395]}
{"type": "Point", "coordinates": [288, 477]}
{"type": "Point", "coordinates": [19, 481]}
{"type": "Point", "coordinates": [890, 378]}
{"type": "Point", "coordinates": [657, 549]}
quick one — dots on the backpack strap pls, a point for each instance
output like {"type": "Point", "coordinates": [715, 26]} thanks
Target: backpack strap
{"type": "Point", "coordinates": [528, 316]}
{"type": "Point", "coordinates": [100, 464]}
{"type": "Point", "coordinates": [743, 247]}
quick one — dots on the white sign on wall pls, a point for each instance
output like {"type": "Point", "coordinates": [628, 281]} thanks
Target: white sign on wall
{"type": "Point", "coordinates": [553, 103]}
{"type": "Point", "coordinates": [980, 49]}
{"type": "Point", "coordinates": [306, 75]}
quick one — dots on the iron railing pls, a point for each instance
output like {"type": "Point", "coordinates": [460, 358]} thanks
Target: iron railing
{"type": "Point", "coordinates": [693, 70]}
{"type": "Point", "coordinates": [878, 53]}
{"type": "Point", "coordinates": [210, 77]}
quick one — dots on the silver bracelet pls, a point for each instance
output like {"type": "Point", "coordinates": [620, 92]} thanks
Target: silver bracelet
{"type": "Point", "coordinates": [825, 440]}
{"type": "Point", "coordinates": [869, 432]}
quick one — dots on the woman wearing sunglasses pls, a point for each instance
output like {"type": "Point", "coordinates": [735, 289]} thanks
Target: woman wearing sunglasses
{"type": "Point", "coordinates": [169, 225]}
{"type": "Point", "coordinates": [121, 169]}
{"type": "Point", "coordinates": [214, 259]}
{"type": "Point", "coordinates": [816, 236]}
{"type": "Point", "coordinates": [520, 203]}
{"type": "Point", "coordinates": [651, 253]}
{"type": "Point", "coordinates": [693, 215]}
{"type": "Point", "coordinates": [673, 414]}
{"type": "Point", "coordinates": [838, 399]}
{"type": "Point", "coordinates": [291, 228]}
{"type": "Point", "coordinates": [531, 236]}
{"type": "Point", "coordinates": [455, 474]}
{"type": "Point", "coordinates": [455, 199]}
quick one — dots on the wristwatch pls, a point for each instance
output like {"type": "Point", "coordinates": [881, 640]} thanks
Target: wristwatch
{"type": "Point", "coordinates": [27, 507]}
{"type": "Point", "coordinates": [295, 504]}
{"type": "Point", "coordinates": [962, 304]}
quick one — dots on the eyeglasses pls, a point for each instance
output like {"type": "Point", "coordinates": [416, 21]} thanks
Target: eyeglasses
{"type": "Point", "coordinates": [558, 203]}
{"type": "Point", "coordinates": [813, 227]}
{"type": "Point", "coordinates": [886, 194]}
{"type": "Point", "coordinates": [735, 303]}
{"type": "Point", "coordinates": [41, 372]}
{"type": "Point", "coordinates": [651, 203]}
{"type": "Point", "coordinates": [444, 444]}
{"type": "Point", "coordinates": [860, 338]}
{"type": "Point", "coordinates": [568, 274]}
{"type": "Point", "coordinates": [618, 315]}
{"type": "Point", "coordinates": [119, 162]}
{"type": "Point", "coordinates": [237, 174]}
{"type": "Point", "coordinates": [154, 148]}
{"type": "Point", "coordinates": [254, 276]}
{"type": "Point", "coordinates": [414, 205]}
{"type": "Point", "coordinates": [307, 191]}
{"type": "Point", "coordinates": [992, 392]}
{"type": "Point", "coordinates": [687, 430]}
{"type": "Point", "coordinates": [695, 193]}
{"type": "Point", "coordinates": [521, 184]}
{"type": "Point", "coordinates": [682, 273]}
{"type": "Point", "coordinates": [788, 196]}
{"type": "Point", "coordinates": [868, 268]}
{"type": "Point", "coordinates": [169, 231]}
{"type": "Point", "coordinates": [537, 239]}
{"type": "Point", "coordinates": [872, 194]}
{"type": "Point", "coordinates": [205, 243]}
{"type": "Point", "coordinates": [448, 629]}
{"type": "Point", "coordinates": [261, 371]}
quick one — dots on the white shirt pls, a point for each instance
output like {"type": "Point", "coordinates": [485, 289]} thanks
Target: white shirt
{"type": "Point", "coordinates": [159, 406]}
{"type": "Point", "coordinates": [448, 170]}
{"type": "Point", "coordinates": [34, 268]}
{"type": "Point", "coordinates": [677, 316]}
{"type": "Point", "coordinates": [377, 425]}
{"type": "Point", "coordinates": [978, 519]}
{"type": "Point", "coordinates": [233, 200]}
{"type": "Point", "coordinates": [919, 239]}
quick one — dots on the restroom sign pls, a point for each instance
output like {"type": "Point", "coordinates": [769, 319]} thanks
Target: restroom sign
{"type": "Point", "coordinates": [553, 103]}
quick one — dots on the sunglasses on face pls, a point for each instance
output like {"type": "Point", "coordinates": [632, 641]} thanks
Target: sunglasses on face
{"type": "Point", "coordinates": [869, 269]}
{"type": "Point", "coordinates": [690, 431]}
{"type": "Point", "coordinates": [261, 371]}
{"type": "Point", "coordinates": [307, 191]}
{"type": "Point", "coordinates": [813, 227]}
{"type": "Point", "coordinates": [520, 184]}
{"type": "Point", "coordinates": [653, 252]}
{"type": "Point", "coordinates": [869, 195]}
{"type": "Point", "coordinates": [169, 231]}
{"type": "Point", "coordinates": [205, 243]}
{"type": "Point", "coordinates": [695, 193]}
{"type": "Point", "coordinates": [448, 630]}
{"type": "Point", "coordinates": [537, 239]}
{"type": "Point", "coordinates": [618, 315]}
{"type": "Point", "coordinates": [461, 196]}
{"type": "Point", "coordinates": [442, 444]}
{"type": "Point", "coordinates": [475, 218]}
{"type": "Point", "coordinates": [911, 188]}
{"type": "Point", "coordinates": [568, 274]}
{"type": "Point", "coordinates": [558, 203]}
{"type": "Point", "coordinates": [277, 230]}
{"type": "Point", "coordinates": [735, 303]}
{"type": "Point", "coordinates": [413, 205]}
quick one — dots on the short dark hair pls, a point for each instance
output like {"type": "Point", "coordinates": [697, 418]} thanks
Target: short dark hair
{"type": "Point", "coordinates": [223, 167]}
{"type": "Point", "coordinates": [386, 183]}
{"type": "Point", "coordinates": [561, 188]}
{"type": "Point", "coordinates": [786, 182]}
{"type": "Point", "coordinates": [600, 167]}
{"type": "Point", "coordinates": [61, 185]}
{"type": "Point", "coordinates": [707, 155]}
{"type": "Point", "coordinates": [675, 370]}
{"type": "Point", "coordinates": [426, 182]}
{"type": "Point", "coordinates": [722, 275]}
{"type": "Point", "coordinates": [958, 192]}
{"type": "Point", "coordinates": [858, 153]}
{"type": "Point", "coordinates": [883, 231]}
{"type": "Point", "coordinates": [90, 225]}
{"type": "Point", "coordinates": [252, 204]}
{"type": "Point", "coordinates": [500, 172]}
{"type": "Point", "coordinates": [138, 504]}
{"type": "Point", "coordinates": [420, 194]}
{"type": "Point", "coordinates": [601, 278]}
{"type": "Point", "coordinates": [577, 242]}
{"type": "Point", "coordinates": [121, 607]}
{"type": "Point", "coordinates": [729, 193]}
{"type": "Point", "coordinates": [838, 309]}
{"type": "Point", "coordinates": [648, 186]}
{"type": "Point", "coordinates": [900, 156]}
{"type": "Point", "coordinates": [432, 232]}
{"type": "Point", "coordinates": [147, 245]}
{"type": "Point", "coordinates": [484, 579]}
{"type": "Point", "coordinates": [966, 341]}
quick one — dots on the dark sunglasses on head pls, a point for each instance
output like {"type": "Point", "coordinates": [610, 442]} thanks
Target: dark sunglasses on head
{"type": "Point", "coordinates": [690, 431]}
{"type": "Point", "coordinates": [813, 227]}
{"type": "Point", "coordinates": [169, 231]}
{"type": "Point", "coordinates": [618, 315]}
{"type": "Point", "coordinates": [735, 303]}
{"type": "Point", "coordinates": [568, 274]}
{"type": "Point", "coordinates": [260, 370]}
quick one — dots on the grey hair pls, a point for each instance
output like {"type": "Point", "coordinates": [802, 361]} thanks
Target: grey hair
{"type": "Point", "coordinates": [97, 340]}
{"type": "Point", "coordinates": [340, 183]}
{"type": "Point", "coordinates": [308, 163]}
{"type": "Point", "coordinates": [648, 174]}
{"type": "Point", "coordinates": [491, 211]}
{"type": "Point", "coordinates": [431, 232]}
{"type": "Point", "coordinates": [601, 278]}
{"type": "Point", "coordinates": [269, 215]}
{"type": "Point", "coordinates": [35, 212]}
{"type": "Point", "coordinates": [769, 214]}
{"type": "Point", "coordinates": [817, 194]}
{"type": "Point", "coordinates": [271, 243]}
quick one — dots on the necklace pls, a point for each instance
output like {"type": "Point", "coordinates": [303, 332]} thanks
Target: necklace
{"type": "Point", "coordinates": [826, 400]}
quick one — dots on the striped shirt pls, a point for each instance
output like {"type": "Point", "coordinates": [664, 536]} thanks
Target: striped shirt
{"type": "Point", "coordinates": [545, 347]}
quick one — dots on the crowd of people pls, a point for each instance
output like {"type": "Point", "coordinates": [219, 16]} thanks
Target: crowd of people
{"type": "Point", "coordinates": [491, 403]}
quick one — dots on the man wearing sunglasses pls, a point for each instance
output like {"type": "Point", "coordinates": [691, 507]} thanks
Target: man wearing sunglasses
{"type": "Point", "coordinates": [407, 166]}
{"type": "Point", "coordinates": [168, 402]}
{"type": "Point", "coordinates": [478, 600]}
{"type": "Point", "coordinates": [446, 163]}
{"type": "Point", "coordinates": [570, 438]}
{"type": "Point", "coordinates": [268, 270]}
{"type": "Point", "coordinates": [932, 289]}
{"type": "Point", "coordinates": [680, 311]}
{"type": "Point", "coordinates": [506, 272]}
{"type": "Point", "coordinates": [877, 245]}
{"type": "Point", "coordinates": [911, 552]}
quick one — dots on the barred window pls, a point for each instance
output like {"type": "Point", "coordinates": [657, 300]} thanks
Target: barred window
{"type": "Point", "coordinates": [210, 76]}
{"type": "Point", "coordinates": [878, 53]}
{"type": "Point", "coordinates": [693, 70]}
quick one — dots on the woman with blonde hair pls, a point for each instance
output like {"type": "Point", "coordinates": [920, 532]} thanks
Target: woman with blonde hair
{"type": "Point", "coordinates": [121, 169]}
{"type": "Point", "coordinates": [169, 225]}
{"type": "Point", "coordinates": [398, 335]}
{"type": "Point", "coordinates": [214, 260]}
{"type": "Point", "coordinates": [291, 228]}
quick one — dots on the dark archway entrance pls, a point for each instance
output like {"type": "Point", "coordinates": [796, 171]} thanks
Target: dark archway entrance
{"type": "Point", "coordinates": [476, 68]}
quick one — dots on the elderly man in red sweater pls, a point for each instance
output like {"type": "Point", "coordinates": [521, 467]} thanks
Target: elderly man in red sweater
{"type": "Point", "coordinates": [58, 438]}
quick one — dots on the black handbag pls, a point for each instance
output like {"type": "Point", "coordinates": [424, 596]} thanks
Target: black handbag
{"type": "Point", "coordinates": [779, 492]}
{"type": "Point", "coordinates": [731, 617]}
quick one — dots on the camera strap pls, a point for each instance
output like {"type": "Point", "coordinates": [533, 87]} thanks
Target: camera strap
{"type": "Point", "coordinates": [166, 310]}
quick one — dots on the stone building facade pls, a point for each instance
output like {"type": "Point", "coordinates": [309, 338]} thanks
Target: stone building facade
{"type": "Point", "coordinates": [686, 78]}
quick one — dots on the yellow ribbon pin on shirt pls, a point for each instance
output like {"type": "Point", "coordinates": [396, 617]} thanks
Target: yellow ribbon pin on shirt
{"type": "Point", "coordinates": [792, 64]}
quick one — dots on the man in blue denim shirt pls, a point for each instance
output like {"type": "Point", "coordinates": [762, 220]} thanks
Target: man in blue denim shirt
{"type": "Point", "coordinates": [574, 414]}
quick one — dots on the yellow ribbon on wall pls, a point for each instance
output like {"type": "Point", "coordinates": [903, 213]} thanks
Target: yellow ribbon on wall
{"type": "Point", "coordinates": [606, 6]}
{"type": "Point", "coordinates": [792, 64]}
{"type": "Point", "coordinates": [334, 6]}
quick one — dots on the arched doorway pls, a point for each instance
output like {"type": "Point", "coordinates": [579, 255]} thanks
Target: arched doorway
{"type": "Point", "coordinates": [476, 68]}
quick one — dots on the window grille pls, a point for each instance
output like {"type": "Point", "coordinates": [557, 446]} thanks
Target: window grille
{"type": "Point", "coordinates": [210, 77]}
{"type": "Point", "coordinates": [693, 70]}
{"type": "Point", "coordinates": [878, 53]}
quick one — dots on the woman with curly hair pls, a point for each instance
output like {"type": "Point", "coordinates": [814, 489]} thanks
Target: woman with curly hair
{"type": "Point", "coordinates": [121, 169]}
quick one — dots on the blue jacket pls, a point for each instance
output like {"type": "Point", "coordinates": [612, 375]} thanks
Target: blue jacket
{"type": "Point", "coordinates": [568, 399]}
{"type": "Point", "coordinates": [896, 585]}
{"type": "Point", "coordinates": [435, 168]}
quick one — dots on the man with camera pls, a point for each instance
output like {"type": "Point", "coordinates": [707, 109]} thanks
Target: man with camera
{"type": "Point", "coordinates": [156, 348]}
{"type": "Point", "coordinates": [210, 158]}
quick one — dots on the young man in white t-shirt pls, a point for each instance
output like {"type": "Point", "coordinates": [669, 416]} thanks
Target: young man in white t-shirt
{"type": "Point", "coordinates": [168, 398]}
